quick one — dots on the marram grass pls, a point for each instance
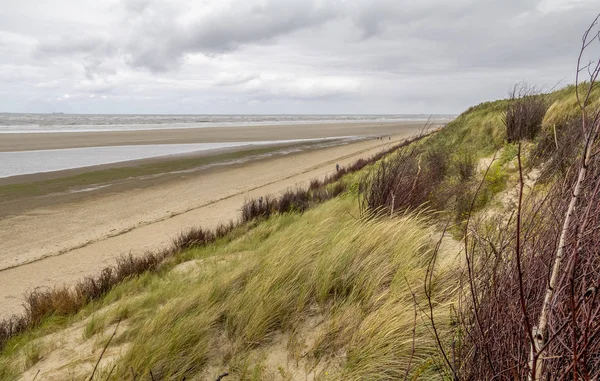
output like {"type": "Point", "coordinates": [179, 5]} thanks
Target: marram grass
{"type": "Point", "coordinates": [325, 262]}
{"type": "Point", "coordinates": [351, 275]}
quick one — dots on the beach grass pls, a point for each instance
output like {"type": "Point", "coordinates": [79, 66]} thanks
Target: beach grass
{"type": "Point", "coordinates": [354, 282]}
{"type": "Point", "coordinates": [329, 290]}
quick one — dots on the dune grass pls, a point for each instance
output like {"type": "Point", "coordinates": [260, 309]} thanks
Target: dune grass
{"type": "Point", "coordinates": [287, 269]}
{"type": "Point", "coordinates": [354, 276]}
{"type": "Point", "coordinates": [323, 288]}
{"type": "Point", "coordinates": [64, 301]}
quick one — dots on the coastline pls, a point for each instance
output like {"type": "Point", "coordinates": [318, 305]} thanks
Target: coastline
{"type": "Point", "coordinates": [11, 142]}
{"type": "Point", "coordinates": [79, 236]}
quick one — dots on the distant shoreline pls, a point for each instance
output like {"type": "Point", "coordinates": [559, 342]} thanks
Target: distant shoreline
{"type": "Point", "coordinates": [38, 141]}
{"type": "Point", "coordinates": [20, 123]}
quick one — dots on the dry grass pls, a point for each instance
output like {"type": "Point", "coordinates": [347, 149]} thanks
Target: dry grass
{"type": "Point", "coordinates": [353, 274]}
{"type": "Point", "coordinates": [361, 278]}
{"type": "Point", "coordinates": [42, 303]}
{"type": "Point", "coordinates": [347, 270]}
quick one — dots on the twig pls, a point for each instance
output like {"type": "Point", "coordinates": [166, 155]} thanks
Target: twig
{"type": "Point", "coordinates": [104, 350]}
{"type": "Point", "coordinates": [589, 137]}
{"type": "Point", "coordinates": [535, 346]}
{"type": "Point", "coordinates": [470, 267]}
{"type": "Point", "coordinates": [111, 370]}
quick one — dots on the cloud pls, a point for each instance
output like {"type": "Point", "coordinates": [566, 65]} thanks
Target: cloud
{"type": "Point", "coordinates": [162, 34]}
{"type": "Point", "coordinates": [65, 45]}
{"type": "Point", "coordinates": [301, 88]}
{"type": "Point", "coordinates": [248, 56]}
{"type": "Point", "coordinates": [233, 79]}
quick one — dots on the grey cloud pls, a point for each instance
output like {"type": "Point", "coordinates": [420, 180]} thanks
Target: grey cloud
{"type": "Point", "coordinates": [159, 40]}
{"type": "Point", "coordinates": [66, 45]}
{"type": "Point", "coordinates": [95, 87]}
{"type": "Point", "coordinates": [456, 35]}
{"type": "Point", "coordinates": [352, 55]}
{"type": "Point", "coordinates": [95, 67]}
{"type": "Point", "coordinates": [234, 79]}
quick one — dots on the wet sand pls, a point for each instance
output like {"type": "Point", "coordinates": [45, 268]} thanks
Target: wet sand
{"type": "Point", "coordinates": [38, 141]}
{"type": "Point", "coordinates": [59, 243]}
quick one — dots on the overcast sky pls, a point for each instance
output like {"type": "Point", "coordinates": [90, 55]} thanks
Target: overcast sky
{"type": "Point", "coordinates": [281, 56]}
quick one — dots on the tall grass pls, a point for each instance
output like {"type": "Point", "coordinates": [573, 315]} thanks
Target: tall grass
{"type": "Point", "coordinates": [346, 271]}
{"type": "Point", "coordinates": [365, 281]}
{"type": "Point", "coordinates": [42, 303]}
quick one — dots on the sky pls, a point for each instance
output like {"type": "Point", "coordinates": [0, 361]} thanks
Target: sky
{"type": "Point", "coordinates": [282, 56]}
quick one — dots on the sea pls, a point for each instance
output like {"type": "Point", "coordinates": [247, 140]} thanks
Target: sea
{"type": "Point", "coordinates": [36, 123]}
{"type": "Point", "coordinates": [39, 161]}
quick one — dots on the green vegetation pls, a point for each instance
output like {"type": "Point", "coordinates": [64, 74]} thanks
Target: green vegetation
{"type": "Point", "coordinates": [349, 279]}
{"type": "Point", "coordinates": [564, 106]}
{"type": "Point", "coordinates": [327, 281]}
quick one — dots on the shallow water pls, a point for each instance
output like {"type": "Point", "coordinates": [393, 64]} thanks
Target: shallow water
{"type": "Point", "coordinates": [29, 162]}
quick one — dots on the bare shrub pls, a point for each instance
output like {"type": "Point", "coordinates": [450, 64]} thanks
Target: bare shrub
{"type": "Point", "coordinates": [466, 166]}
{"type": "Point", "coordinates": [92, 288]}
{"type": "Point", "coordinates": [408, 180]}
{"type": "Point", "coordinates": [391, 186]}
{"type": "Point", "coordinates": [532, 305]}
{"type": "Point", "coordinates": [129, 266]}
{"type": "Point", "coordinates": [258, 208]}
{"type": "Point", "coordinates": [293, 201]}
{"type": "Point", "coordinates": [557, 149]}
{"type": "Point", "coordinates": [496, 337]}
{"type": "Point", "coordinates": [314, 184]}
{"type": "Point", "coordinates": [436, 161]}
{"type": "Point", "coordinates": [524, 114]}
{"type": "Point", "coordinates": [301, 199]}
{"type": "Point", "coordinates": [43, 302]}
{"type": "Point", "coordinates": [195, 236]}
{"type": "Point", "coordinates": [12, 326]}
{"type": "Point", "coordinates": [358, 165]}
{"type": "Point", "coordinates": [223, 229]}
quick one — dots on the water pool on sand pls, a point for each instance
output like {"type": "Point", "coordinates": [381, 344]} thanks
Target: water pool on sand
{"type": "Point", "coordinates": [29, 162]}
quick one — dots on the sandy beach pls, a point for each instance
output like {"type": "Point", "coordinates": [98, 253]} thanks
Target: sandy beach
{"type": "Point", "coordinates": [38, 141]}
{"type": "Point", "coordinates": [48, 240]}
